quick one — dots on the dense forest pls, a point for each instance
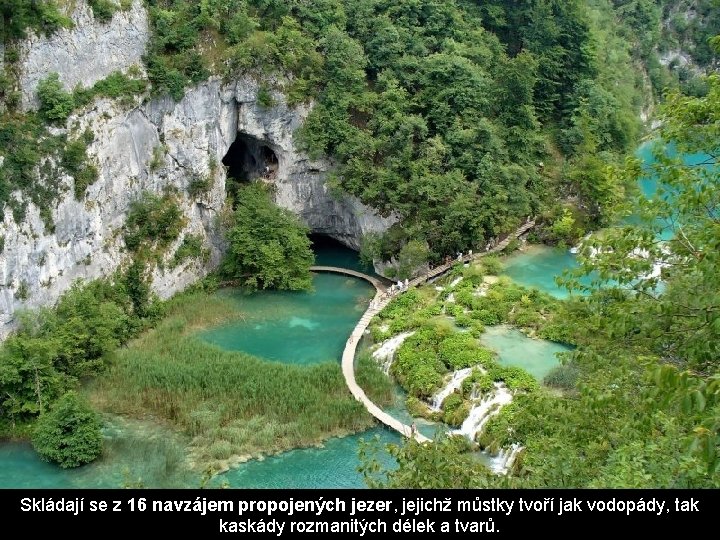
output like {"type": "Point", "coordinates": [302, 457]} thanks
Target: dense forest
{"type": "Point", "coordinates": [462, 118]}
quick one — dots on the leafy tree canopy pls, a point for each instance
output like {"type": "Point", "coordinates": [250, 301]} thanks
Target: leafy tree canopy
{"type": "Point", "coordinates": [268, 247]}
{"type": "Point", "coordinates": [69, 434]}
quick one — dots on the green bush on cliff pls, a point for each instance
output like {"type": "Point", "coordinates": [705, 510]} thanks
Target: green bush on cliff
{"type": "Point", "coordinates": [55, 103]}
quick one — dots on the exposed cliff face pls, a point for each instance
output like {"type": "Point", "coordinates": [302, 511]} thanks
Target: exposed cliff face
{"type": "Point", "coordinates": [86, 53]}
{"type": "Point", "coordinates": [155, 146]}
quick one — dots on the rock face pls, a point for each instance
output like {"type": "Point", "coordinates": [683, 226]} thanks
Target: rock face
{"type": "Point", "coordinates": [300, 182]}
{"type": "Point", "coordinates": [153, 147]}
{"type": "Point", "coordinates": [86, 53]}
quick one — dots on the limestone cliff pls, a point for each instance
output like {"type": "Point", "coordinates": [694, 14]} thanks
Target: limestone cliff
{"type": "Point", "coordinates": [152, 146]}
{"type": "Point", "coordinates": [85, 53]}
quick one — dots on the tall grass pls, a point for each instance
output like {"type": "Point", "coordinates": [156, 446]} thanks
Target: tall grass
{"type": "Point", "coordinates": [229, 403]}
{"type": "Point", "coordinates": [378, 386]}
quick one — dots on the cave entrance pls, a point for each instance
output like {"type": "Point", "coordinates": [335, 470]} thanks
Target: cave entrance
{"type": "Point", "coordinates": [249, 159]}
{"type": "Point", "coordinates": [331, 252]}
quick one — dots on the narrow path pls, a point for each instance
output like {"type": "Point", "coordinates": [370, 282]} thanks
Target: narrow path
{"type": "Point", "coordinates": [348, 358]}
{"type": "Point", "coordinates": [377, 304]}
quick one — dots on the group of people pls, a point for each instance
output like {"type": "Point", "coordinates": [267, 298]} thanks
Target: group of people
{"type": "Point", "coordinates": [398, 287]}
{"type": "Point", "coordinates": [459, 257]}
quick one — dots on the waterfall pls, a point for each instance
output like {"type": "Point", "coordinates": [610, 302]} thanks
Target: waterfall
{"type": "Point", "coordinates": [483, 411]}
{"type": "Point", "coordinates": [502, 463]}
{"type": "Point", "coordinates": [456, 281]}
{"type": "Point", "coordinates": [385, 353]}
{"type": "Point", "coordinates": [455, 382]}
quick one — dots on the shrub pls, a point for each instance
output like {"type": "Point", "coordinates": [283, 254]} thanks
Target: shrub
{"type": "Point", "coordinates": [474, 274]}
{"type": "Point", "coordinates": [455, 410]}
{"type": "Point", "coordinates": [153, 221]}
{"type": "Point", "coordinates": [265, 98]}
{"type": "Point", "coordinates": [513, 245]}
{"type": "Point", "coordinates": [477, 379]}
{"type": "Point", "coordinates": [477, 329]}
{"type": "Point", "coordinates": [492, 265]}
{"type": "Point", "coordinates": [419, 409]}
{"type": "Point", "coordinates": [191, 248]}
{"type": "Point", "coordinates": [514, 377]}
{"type": "Point", "coordinates": [22, 292]}
{"type": "Point", "coordinates": [55, 103]}
{"type": "Point", "coordinates": [564, 377]}
{"type": "Point", "coordinates": [488, 318]}
{"type": "Point", "coordinates": [402, 306]}
{"type": "Point", "coordinates": [199, 186]}
{"type": "Point", "coordinates": [69, 434]}
{"type": "Point", "coordinates": [75, 162]}
{"type": "Point", "coordinates": [103, 10]}
{"type": "Point", "coordinates": [116, 85]}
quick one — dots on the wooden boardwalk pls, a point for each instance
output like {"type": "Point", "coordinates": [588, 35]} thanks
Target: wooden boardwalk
{"type": "Point", "coordinates": [381, 300]}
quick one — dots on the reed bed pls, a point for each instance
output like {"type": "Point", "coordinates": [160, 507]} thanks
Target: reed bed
{"type": "Point", "coordinates": [230, 404]}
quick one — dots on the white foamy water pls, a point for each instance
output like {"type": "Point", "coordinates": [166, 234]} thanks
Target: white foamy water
{"type": "Point", "coordinates": [456, 281]}
{"type": "Point", "coordinates": [385, 353]}
{"type": "Point", "coordinates": [483, 411]}
{"type": "Point", "coordinates": [503, 462]}
{"type": "Point", "coordinates": [453, 384]}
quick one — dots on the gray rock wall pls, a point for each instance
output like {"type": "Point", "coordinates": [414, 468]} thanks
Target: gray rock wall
{"type": "Point", "coordinates": [86, 53]}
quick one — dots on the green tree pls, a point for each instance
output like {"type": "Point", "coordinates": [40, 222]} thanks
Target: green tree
{"type": "Point", "coordinates": [633, 260]}
{"type": "Point", "coordinates": [411, 258]}
{"type": "Point", "coordinates": [268, 247]}
{"type": "Point", "coordinates": [69, 434]}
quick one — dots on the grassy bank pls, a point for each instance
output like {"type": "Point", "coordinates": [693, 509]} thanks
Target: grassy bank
{"type": "Point", "coordinates": [230, 404]}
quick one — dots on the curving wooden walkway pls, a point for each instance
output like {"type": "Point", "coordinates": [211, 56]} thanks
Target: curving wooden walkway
{"type": "Point", "coordinates": [381, 300]}
{"type": "Point", "coordinates": [348, 357]}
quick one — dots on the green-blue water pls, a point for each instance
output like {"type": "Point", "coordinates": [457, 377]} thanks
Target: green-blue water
{"type": "Point", "coordinates": [538, 266]}
{"type": "Point", "coordinates": [301, 328]}
{"type": "Point", "coordinates": [134, 453]}
{"type": "Point", "coordinates": [536, 356]}
{"type": "Point", "coordinates": [333, 466]}
{"type": "Point", "coordinates": [296, 327]}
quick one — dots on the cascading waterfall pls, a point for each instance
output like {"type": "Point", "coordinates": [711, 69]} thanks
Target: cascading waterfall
{"type": "Point", "coordinates": [483, 411]}
{"type": "Point", "coordinates": [385, 353]}
{"type": "Point", "coordinates": [479, 415]}
{"type": "Point", "coordinates": [503, 462]}
{"type": "Point", "coordinates": [455, 382]}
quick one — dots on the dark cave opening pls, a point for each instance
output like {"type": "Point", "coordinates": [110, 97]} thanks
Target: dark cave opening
{"type": "Point", "coordinates": [331, 252]}
{"type": "Point", "coordinates": [249, 158]}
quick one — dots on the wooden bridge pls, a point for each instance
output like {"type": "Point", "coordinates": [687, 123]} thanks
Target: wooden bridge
{"type": "Point", "coordinates": [377, 304]}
